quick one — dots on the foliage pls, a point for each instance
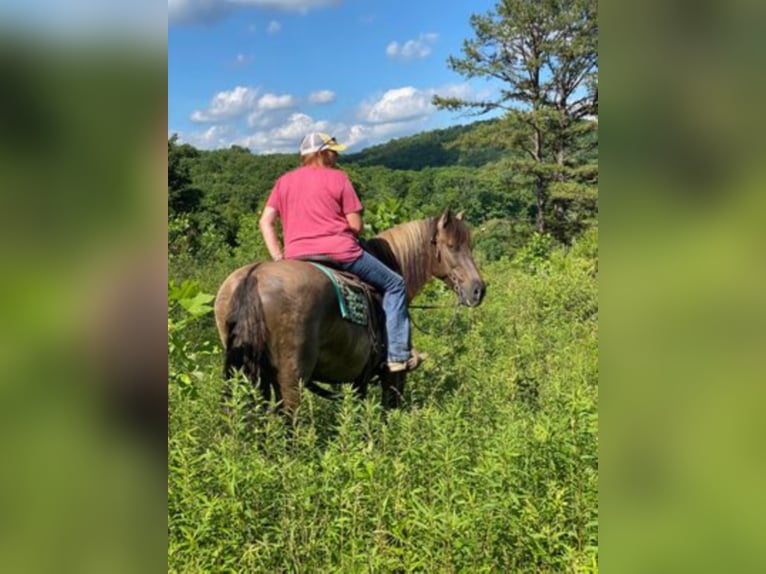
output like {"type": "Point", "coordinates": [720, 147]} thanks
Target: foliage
{"type": "Point", "coordinates": [250, 245]}
{"type": "Point", "coordinates": [383, 215]}
{"type": "Point", "coordinates": [183, 197]}
{"type": "Point", "coordinates": [500, 238]}
{"type": "Point", "coordinates": [546, 56]}
{"type": "Point", "coordinates": [535, 256]}
{"type": "Point", "coordinates": [491, 466]}
{"type": "Point", "coordinates": [186, 305]}
{"type": "Point", "coordinates": [234, 181]}
{"type": "Point", "coordinates": [233, 185]}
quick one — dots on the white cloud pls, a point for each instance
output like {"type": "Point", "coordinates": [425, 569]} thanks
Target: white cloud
{"type": "Point", "coordinates": [274, 102]}
{"type": "Point", "coordinates": [370, 134]}
{"type": "Point", "coordinates": [274, 123]}
{"type": "Point", "coordinates": [227, 105]}
{"type": "Point", "coordinates": [208, 11]}
{"type": "Point", "coordinates": [270, 109]}
{"type": "Point", "coordinates": [412, 49]}
{"type": "Point", "coordinates": [322, 97]}
{"type": "Point", "coordinates": [215, 137]}
{"type": "Point", "coordinates": [409, 103]}
{"type": "Point", "coordinates": [284, 138]}
{"type": "Point", "coordinates": [297, 126]}
{"type": "Point", "coordinates": [397, 105]}
{"type": "Point", "coordinates": [274, 27]}
{"type": "Point", "coordinates": [236, 103]}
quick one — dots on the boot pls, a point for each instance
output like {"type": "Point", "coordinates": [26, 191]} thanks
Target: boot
{"type": "Point", "coordinates": [410, 364]}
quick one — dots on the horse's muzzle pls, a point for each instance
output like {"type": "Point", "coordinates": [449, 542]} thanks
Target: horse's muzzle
{"type": "Point", "coordinates": [474, 294]}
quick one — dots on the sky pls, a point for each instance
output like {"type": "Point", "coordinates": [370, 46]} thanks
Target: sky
{"type": "Point", "coordinates": [263, 73]}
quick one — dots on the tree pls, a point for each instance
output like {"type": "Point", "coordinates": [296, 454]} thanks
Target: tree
{"type": "Point", "coordinates": [546, 55]}
{"type": "Point", "coordinates": [183, 197]}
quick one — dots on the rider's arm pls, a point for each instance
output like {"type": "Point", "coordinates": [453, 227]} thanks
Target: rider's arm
{"type": "Point", "coordinates": [355, 222]}
{"type": "Point", "coordinates": [269, 232]}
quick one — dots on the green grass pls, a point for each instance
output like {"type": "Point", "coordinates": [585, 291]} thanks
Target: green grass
{"type": "Point", "coordinates": [490, 466]}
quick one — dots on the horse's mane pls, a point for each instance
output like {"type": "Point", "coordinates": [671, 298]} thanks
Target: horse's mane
{"type": "Point", "coordinates": [407, 249]}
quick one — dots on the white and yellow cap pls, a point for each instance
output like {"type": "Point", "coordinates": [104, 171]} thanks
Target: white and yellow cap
{"type": "Point", "coordinates": [319, 141]}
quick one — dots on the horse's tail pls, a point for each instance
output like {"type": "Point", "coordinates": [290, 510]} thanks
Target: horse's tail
{"type": "Point", "coordinates": [245, 329]}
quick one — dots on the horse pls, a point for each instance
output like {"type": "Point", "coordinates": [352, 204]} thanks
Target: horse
{"type": "Point", "coordinates": [280, 321]}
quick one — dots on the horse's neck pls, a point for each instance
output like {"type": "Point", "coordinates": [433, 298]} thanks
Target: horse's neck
{"type": "Point", "coordinates": [409, 245]}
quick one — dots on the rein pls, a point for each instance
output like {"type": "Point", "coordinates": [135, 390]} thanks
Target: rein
{"type": "Point", "coordinates": [449, 325]}
{"type": "Point", "coordinates": [437, 255]}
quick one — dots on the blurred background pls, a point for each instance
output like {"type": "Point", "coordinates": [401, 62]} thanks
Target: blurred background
{"type": "Point", "coordinates": [682, 306]}
{"type": "Point", "coordinates": [83, 286]}
{"type": "Point", "coordinates": [83, 213]}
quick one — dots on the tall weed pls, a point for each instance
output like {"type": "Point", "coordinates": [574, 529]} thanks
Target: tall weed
{"type": "Point", "coordinates": [490, 466]}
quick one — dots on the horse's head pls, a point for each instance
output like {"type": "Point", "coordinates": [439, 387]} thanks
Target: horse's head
{"type": "Point", "coordinates": [454, 262]}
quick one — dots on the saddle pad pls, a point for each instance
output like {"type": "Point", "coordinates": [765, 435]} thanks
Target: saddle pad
{"type": "Point", "coordinates": [351, 300]}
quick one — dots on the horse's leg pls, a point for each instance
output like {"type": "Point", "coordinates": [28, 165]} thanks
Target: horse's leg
{"type": "Point", "coordinates": [360, 387]}
{"type": "Point", "coordinates": [267, 383]}
{"type": "Point", "coordinates": [392, 385]}
{"type": "Point", "coordinates": [288, 382]}
{"type": "Point", "coordinates": [361, 383]}
{"type": "Point", "coordinates": [292, 373]}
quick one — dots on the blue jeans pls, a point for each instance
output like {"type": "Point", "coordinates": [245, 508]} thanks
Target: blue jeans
{"type": "Point", "coordinates": [370, 270]}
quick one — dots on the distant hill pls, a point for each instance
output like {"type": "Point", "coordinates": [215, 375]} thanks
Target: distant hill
{"type": "Point", "coordinates": [425, 149]}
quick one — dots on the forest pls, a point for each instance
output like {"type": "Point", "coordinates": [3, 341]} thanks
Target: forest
{"type": "Point", "coordinates": [215, 197]}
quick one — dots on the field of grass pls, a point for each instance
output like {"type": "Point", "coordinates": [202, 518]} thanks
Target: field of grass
{"type": "Point", "coordinates": [490, 466]}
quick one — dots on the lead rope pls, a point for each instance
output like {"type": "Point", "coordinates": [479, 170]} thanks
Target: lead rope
{"type": "Point", "coordinates": [449, 326]}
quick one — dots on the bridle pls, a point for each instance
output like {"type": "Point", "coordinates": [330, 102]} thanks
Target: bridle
{"type": "Point", "coordinates": [452, 275]}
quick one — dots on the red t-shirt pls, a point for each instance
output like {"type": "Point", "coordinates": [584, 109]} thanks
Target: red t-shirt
{"type": "Point", "coordinates": [312, 203]}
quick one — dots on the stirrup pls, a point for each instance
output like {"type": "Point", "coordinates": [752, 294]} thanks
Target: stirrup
{"type": "Point", "coordinates": [416, 358]}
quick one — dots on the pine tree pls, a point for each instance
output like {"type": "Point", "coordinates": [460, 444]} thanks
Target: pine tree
{"type": "Point", "coordinates": [545, 54]}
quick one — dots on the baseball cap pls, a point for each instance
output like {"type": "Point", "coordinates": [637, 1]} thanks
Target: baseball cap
{"type": "Point", "coordinates": [319, 141]}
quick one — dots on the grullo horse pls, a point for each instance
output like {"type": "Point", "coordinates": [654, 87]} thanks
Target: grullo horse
{"type": "Point", "coordinates": [280, 321]}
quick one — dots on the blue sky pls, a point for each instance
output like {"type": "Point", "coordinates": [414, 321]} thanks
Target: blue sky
{"type": "Point", "coordinates": [262, 73]}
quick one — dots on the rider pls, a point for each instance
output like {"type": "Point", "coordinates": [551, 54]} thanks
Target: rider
{"type": "Point", "coordinates": [322, 217]}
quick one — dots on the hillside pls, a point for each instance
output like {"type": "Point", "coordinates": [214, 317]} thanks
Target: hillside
{"type": "Point", "coordinates": [426, 149]}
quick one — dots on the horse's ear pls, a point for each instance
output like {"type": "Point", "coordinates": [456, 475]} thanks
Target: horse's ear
{"type": "Point", "coordinates": [460, 215]}
{"type": "Point", "coordinates": [445, 219]}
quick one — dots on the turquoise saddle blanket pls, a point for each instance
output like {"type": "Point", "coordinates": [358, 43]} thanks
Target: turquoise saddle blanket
{"type": "Point", "coordinates": [351, 300]}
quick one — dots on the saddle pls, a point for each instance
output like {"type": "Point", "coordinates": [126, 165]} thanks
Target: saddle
{"type": "Point", "coordinates": [356, 299]}
{"type": "Point", "coordinates": [358, 302]}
